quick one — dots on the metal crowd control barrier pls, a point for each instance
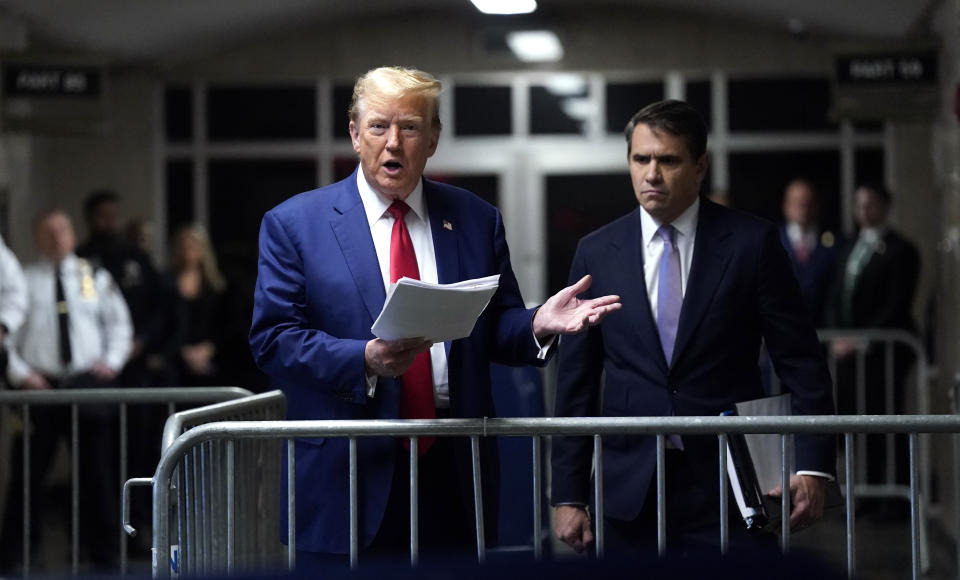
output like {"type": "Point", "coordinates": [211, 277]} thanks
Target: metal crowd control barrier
{"type": "Point", "coordinates": [222, 518]}
{"type": "Point", "coordinates": [74, 398]}
{"type": "Point", "coordinates": [885, 341]}
{"type": "Point", "coordinates": [232, 432]}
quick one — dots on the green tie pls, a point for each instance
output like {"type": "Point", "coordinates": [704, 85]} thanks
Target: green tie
{"type": "Point", "coordinates": [859, 256]}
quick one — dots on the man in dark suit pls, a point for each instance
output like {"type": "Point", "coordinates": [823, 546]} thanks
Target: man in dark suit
{"type": "Point", "coordinates": [880, 269]}
{"type": "Point", "coordinates": [326, 259]}
{"type": "Point", "coordinates": [701, 285]}
{"type": "Point", "coordinates": [812, 251]}
{"type": "Point", "coordinates": [874, 288]}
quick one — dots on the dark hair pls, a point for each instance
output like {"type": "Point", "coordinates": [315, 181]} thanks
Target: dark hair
{"type": "Point", "coordinates": [97, 198]}
{"type": "Point", "coordinates": [879, 190]}
{"type": "Point", "coordinates": [675, 117]}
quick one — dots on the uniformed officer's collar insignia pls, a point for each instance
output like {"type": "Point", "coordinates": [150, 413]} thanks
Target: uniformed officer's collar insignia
{"type": "Point", "coordinates": [87, 288]}
{"type": "Point", "coordinates": [827, 239]}
{"type": "Point", "coordinates": [447, 225]}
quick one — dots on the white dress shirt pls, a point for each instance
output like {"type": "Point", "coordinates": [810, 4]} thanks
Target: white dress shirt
{"type": "Point", "coordinates": [13, 290]}
{"type": "Point", "coordinates": [799, 236]}
{"type": "Point", "coordinates": [100, 327]}
{"type": "Point", "coordinates": [418, 224]}
{"type": "Point", "coordinates": [686, 226]}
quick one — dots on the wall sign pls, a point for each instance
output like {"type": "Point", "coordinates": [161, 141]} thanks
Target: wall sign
{"type": "Point", "coordinates": [26, 80]}
{"type": "Point", "coordinates": [905, 69]}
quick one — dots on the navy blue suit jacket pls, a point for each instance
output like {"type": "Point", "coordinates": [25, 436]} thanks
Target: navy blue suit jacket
{"type": "Point", "coordinates": [319, 289]}
{"type": "Point", "coordinates": [740, 290]}
{"type": "Point", "coordinates": [815, 275]}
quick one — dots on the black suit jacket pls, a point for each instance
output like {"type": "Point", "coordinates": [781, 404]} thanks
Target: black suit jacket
{"type": "Point", "coordinates": [740, 290]}
{"type": "Point", "coordinates": [883, 292]}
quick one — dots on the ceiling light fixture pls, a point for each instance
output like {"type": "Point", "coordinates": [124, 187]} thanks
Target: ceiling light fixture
{"type": "Point", "coordinates": [535, 45]}
{"type": "Point", "coordinates": [505, 6]}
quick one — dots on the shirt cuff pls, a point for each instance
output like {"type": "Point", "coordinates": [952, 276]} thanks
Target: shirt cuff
{"type": "Point", "coordinates": [822, 474]}
{"type": "Point", "coordinates": [543, 350]}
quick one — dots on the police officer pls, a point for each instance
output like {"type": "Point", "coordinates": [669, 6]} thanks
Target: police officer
{"type": "Point", "coordinates": [77, 334]}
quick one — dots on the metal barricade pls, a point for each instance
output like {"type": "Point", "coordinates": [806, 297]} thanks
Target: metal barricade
{"type": "Point", "coordinates": [75, 398]}
{"type": "Point", "coordinates": [871, 346]}
{"type": "Point", "coordinates": [214, 536]}
{"type": "Point", "coordinates": [536, 429]}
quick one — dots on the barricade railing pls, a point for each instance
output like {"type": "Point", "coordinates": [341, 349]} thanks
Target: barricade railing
{"type": "Point", "coordinates": [75, 398]}
{"type": "Point", "coordinates": [233, 432]}
{"type": "Point", "coordinates": [872, 346]}
{"type": "Point", "coordinates": [212, 530]}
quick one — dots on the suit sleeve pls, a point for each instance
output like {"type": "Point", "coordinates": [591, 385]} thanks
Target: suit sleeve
{"type": "Point", "coordinates": [795, 351]}
{"type": "Point", "coordinates": [580, 361]}
{"type": "Point", "coordinates": [514, 342]}
{"type": "Point", "coordinates": [284, 343]}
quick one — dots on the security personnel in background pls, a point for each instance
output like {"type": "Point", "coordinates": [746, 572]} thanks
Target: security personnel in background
{"type": "Point", "coordinates": [77, 334]}
{"type": "Point", "coordinates": [13, 299]}
{"type": "Point", "coordinates": [149, 301]}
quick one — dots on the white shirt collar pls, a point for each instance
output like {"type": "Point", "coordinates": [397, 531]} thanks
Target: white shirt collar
{"type": "Point", "coordinates": [375, 205]}
{"type": "Point", "coordinates": [686, 223]}
{"type": "Point", "coordinates": [797, 233]}
{"type": "Point", "coordinates": [872, 235]}
{"type": "Point", "coordinates": [69, 261]}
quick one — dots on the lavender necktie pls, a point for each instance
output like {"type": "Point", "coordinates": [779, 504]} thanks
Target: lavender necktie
{"type": "Point", "coordinates": [669, 291]}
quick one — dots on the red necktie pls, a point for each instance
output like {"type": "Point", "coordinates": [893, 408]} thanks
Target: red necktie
{"type": "Point", "coordinates": [801, 251]}
{"type": "Point", "coordinates": [416, 399]}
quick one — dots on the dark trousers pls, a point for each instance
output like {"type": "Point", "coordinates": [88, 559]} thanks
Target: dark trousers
{"type": "Point", "coordinates": [692, 519]}
{"type": "Point", "coordinates": [99, 485]}
{"type": "Point", "coordinates": [445, 516]}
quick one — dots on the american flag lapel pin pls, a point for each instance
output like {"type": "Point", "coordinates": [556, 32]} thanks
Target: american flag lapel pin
{"type": "Point", "coordinates": [447, 225]}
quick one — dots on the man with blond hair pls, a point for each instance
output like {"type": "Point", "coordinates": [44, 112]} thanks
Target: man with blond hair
{"type": "Point", "coordinates": [326, 259]}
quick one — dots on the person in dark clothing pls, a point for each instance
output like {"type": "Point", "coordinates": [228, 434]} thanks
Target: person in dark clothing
{"type": "Point", "coordinates": [874, 288]}
{"type": "Point", "coordinates": [200, 308]}
{"type": "Point", "coordinates": [812, 250]}
{"type": "Point", "coordinates": [150, 302]}
{"type": "Point", "coordinates": [139, 281]}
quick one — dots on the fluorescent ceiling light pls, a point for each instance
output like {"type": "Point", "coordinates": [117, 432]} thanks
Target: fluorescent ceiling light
{"type": "Point", "coordinates": [566, 85]}
{"type": "Point", "coordinates": [535, 45]}
{"type": "Point", "coordinates": [580, 109]}
{"type": "Point", "coordinates": [505, 6]}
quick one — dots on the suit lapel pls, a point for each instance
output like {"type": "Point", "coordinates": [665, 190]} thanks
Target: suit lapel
{"type": "Point", "coordinates": [352, 230]}
{"type": "Point", "coordinates": [444, 228]}
{"type": "Point", "coordinates": [711, 255]}
{"type": "Point", "coordinates": [631, 285]}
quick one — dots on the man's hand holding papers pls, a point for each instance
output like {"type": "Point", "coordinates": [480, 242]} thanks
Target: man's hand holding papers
{"type": "Point", "coordinates": [417, 314]}
{"type": "Point", "coordinates": [436, 312]}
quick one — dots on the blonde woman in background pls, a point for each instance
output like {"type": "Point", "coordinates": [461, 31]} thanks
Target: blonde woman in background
{"type": "Point", "coordinates": [199, 288]}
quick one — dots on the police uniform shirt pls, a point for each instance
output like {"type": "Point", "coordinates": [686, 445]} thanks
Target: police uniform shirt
{"type": "Point", "coordinates": [13, 290]}
{"type": "Point", "coordinates": [99, 321]}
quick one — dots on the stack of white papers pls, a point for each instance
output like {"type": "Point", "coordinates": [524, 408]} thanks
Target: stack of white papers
{"type": "Point", "coordinates": [438, 312]}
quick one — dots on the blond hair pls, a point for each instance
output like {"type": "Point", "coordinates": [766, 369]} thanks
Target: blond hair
{"type": "Point", "coordinates": [211, 272]}
{"type": "Point", "coordinates": [394, 82]}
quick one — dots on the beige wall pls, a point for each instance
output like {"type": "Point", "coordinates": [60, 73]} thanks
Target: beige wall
{"type": "Point", "coordinates": [624, 39]}
{"type": "Point", "coordinates": [116, 154]}
{"type": "Point", "coordinates": [945, 146]}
